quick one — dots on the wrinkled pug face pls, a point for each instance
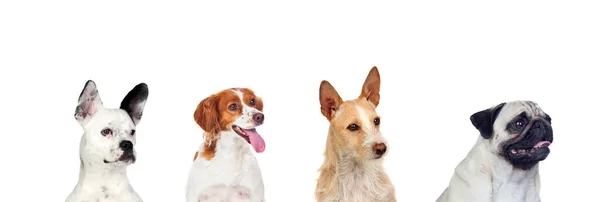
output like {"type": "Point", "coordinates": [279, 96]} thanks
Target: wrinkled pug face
{"type": "Point", "coordinates": [518, 131]}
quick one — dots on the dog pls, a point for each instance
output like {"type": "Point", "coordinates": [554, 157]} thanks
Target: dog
{"type": "Point", "coordinates": [107, 145]}
{"type": "Point", "coordinates": [352, 170]}
{"type": "Point", "coordinates": [224, 160]}
{"type": "Point", "coordinates": [503, 165]}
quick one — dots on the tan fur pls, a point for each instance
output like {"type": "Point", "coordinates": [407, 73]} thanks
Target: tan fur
{"type": "Point", "coordinates": [349, 172]}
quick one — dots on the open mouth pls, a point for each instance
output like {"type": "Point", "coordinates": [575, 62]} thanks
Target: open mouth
{"type": "Point", "coordinates": [530, 151]}
{"type": "Point", "coordinates": [526, 149]}
{"type": "Point", "coordinates": [252, 137]}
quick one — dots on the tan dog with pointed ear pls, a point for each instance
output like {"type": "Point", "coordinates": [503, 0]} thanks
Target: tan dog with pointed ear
{"type": "Point", "coordinates": [353, 167]}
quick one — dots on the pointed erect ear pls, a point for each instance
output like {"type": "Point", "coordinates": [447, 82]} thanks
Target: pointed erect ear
{"type": "Point", "coordinates": [89, 103]}
{"type": "Point", "coordinates": [484, 120]}
{"type": "Point", "coordinates": [207, 115]}
{"type": "Point", "coordinates": [134, 102]}
{"type": "Point", "coordinates": [330, 100]}
{"type": "Point", "coordinates": [370, 89]}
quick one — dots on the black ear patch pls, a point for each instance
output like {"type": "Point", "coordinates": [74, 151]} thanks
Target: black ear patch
{"type": "Point", "coordinates": [134, 102]}
{"type": "Point", "coordinates": [484, 120]}
{"type": "Point", "coordinates": [547, 117]}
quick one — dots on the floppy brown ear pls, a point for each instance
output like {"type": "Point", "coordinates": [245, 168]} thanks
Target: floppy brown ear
{"type": "Point", "coordinates": [330, 99]}
{"type": "Point", "coordinates": [370, 89]}
{"type": "Point", "coordinates": [207, 115]}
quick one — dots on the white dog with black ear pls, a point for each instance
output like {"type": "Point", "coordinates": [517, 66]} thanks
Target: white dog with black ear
{"type": "Point", "coordinates": [503, 164]}
{"type": "Point", "coordinates": [107, 145]}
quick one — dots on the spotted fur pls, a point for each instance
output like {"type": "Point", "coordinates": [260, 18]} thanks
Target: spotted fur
{"type": "Point", "coordinates": [102, 175]}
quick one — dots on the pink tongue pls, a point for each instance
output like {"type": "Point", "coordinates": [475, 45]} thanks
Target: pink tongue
{"type": "Point", "coordinates": [542, 143]}
{"type": "Point", "coordinates": [256, 141]}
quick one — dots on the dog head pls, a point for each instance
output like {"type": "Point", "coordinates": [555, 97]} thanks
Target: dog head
{"type": "Point", "coordinates": [237, 111]}
{"type": "Point", "coordinates": [109, 136]}
{"type": "Point", "coordinates": [518, 131]}
{"type": "Point", "coordinates": [354, 124]}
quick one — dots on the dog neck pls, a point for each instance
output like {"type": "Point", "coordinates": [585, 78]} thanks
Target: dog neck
{"type": "Point", "coordinates": [505, 181]}
{"type": "Point", "coordinates": [508, 181]}
{"type": "Point", "coordinates": [101, 177]}
{"type": "Point", "coordinates": [349, 178]}
{"type": "Point", "coordinates": [229, 146]}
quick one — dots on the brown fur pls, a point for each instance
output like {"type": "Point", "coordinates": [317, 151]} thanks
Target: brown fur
{"type": "Point", "coordinates": [213, 116]}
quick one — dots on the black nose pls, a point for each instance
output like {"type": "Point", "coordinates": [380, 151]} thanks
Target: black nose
{"type": "Point", "coordinates": [258, 118]}
{"type": "Point", "coordinates": [379, 149]}
{"type": "Point", "coordinates": [126, 145]}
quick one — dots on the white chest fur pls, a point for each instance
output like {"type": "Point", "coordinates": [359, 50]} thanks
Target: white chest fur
{"type": "Point", "coordinates": [511, 185]}
{"type": "Point", "coordinates": [103, 186]}
{"type": "Point", "coordinates": [363, 181]}
{"type": "Point", "coordinates": [233, 164]}
{"type": "Point", "coordinates": [484, 177]}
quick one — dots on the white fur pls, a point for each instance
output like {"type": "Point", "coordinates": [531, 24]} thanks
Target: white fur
{"type": "Point", "coordinates": [100, 181]}
{"type": "Point", "coordinates": [374, 136]}
{"type": "Point", "coordinates": [245, 120]}
{"type": "Point", "coordinates": [359, 181]}
{"type": "Point", "coordinates": [234, 165]}
{"type": "Point", "coordinates": [225, 193]}
{"type": "Point", "coordinates": [484, 176]}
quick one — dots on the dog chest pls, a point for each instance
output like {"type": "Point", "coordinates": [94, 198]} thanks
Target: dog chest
{"type": "Point", "coordinates": [228, 170]}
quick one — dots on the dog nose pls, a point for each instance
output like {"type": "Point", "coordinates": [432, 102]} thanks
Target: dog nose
{"type": "Point", "coordinates": [126, 145]}
{"type": "Point", "coordinates": [379, 149]}
{"type": "Point", "coordinates": [258, 118]}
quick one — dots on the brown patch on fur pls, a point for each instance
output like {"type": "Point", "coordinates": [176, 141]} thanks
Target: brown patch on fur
{"type": "Point", "coordinates": [209, 150]}
{"type": "Point", "coordinates": [248, 96]}
{"type": "Point", "coordinates": [213, 116]}
{"type": "Point", "coordinates": [195, 156]}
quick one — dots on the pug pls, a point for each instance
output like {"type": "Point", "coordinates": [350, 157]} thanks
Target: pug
{"type": "Point", "coordinates": [503, 166]}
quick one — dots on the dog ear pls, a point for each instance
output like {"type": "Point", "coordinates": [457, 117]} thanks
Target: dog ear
{"type": "Point", "coordinates": [134, 102]}
{"type": "Point", "coordinates": [484, 120]}
{"type": "Point", "coordinates": [329, 98]}
{"type": "Point", "coordinates": [548, 118]}
{"type": "Point", "coordinates": [370, 89]}
{"type": "Point", "coordinates": [89, 103]}
{"type": "Point", "coordinates": [207, 115]}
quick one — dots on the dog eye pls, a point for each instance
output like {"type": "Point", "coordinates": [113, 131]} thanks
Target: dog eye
{"type": "Point", "coordinates": [132, 132]}
{"type": "Point", "coordinates": [376, 121]}
{"type": "Point", "coordinates": [106, 132]}
{"type": "Point", "coordinates": [353, 127]}
{"type": "Point", "coordinates": [233, 107]}
{"type": "Point", "coordinates": [518, 125]}
{"type": "Point", "coordinates": [253, 102]}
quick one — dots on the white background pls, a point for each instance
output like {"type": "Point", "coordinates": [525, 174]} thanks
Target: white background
{"type": "Point", "coordinates": [440, 62]}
